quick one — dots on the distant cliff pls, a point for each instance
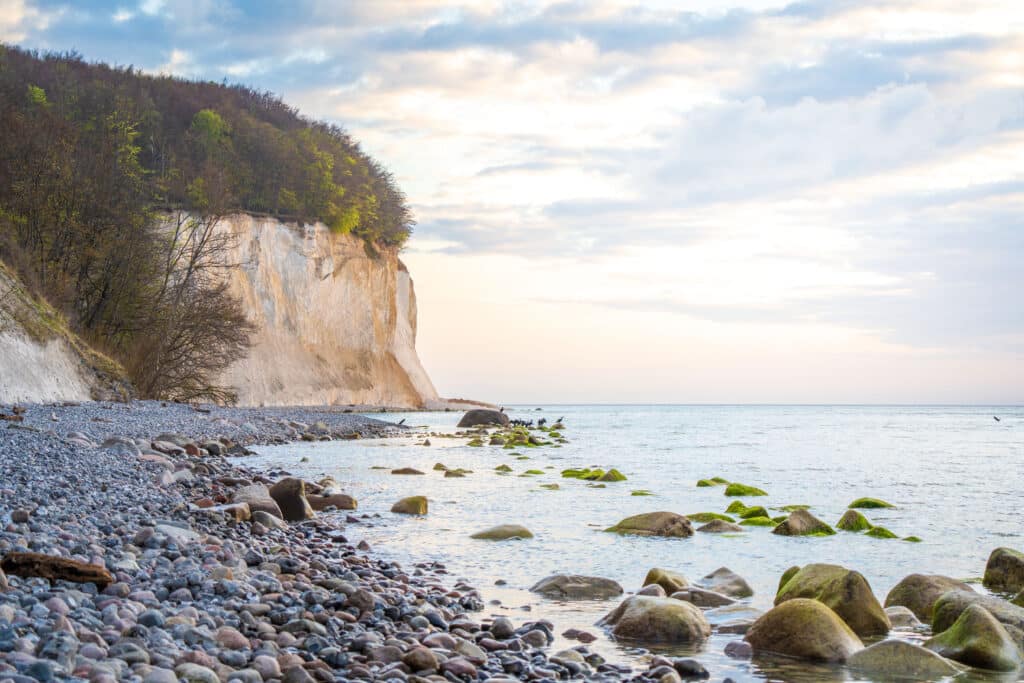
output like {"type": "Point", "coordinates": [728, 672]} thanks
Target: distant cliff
{"type": "Point", "coordinates": [336, 324]}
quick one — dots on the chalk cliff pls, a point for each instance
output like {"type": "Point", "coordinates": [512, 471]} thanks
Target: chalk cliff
{"type": "Point", "coordinates": [335, 323]}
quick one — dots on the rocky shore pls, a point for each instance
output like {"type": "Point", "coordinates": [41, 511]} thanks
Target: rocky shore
{"type": "Point", "coordinates": [129, 558]}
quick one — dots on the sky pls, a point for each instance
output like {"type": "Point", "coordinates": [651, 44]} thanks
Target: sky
{"type": "Point", "coordinates": [756, 201]}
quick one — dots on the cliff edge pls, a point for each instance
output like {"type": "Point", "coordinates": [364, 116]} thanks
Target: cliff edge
{"type": "Point", "coordinates": [336, 323]}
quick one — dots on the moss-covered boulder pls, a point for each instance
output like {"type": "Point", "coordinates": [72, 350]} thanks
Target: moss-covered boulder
{"type": "Point", "coordinates": [880, 532]}
{"type": "Point", "coordinates": [844, 591]}
{"type": "Point", "coordinates": [657, 620]}
{"type": "Point", "coordinates": [792, 508]}
{"type": "Point", "coordinates": [911, 539]}
{"type": "Point", "coordinates": [977, 639]}
{"type": "Point", "coordinates": [951, 605]}
{"type": "Point", "coordinates": [727, 582]}
{"type": "Point", "coordinates": [758, 521]}
{"type": "Point", "coordinates": [1004, 570]}
{"type": "Point", "coordinates": [713, 481]}
{"type": "Point", "coordinates": [803, 523]}
{"type": "Point", "coordinates": [919, 592]}
{"type": "Point", "coordinates": [669, 580]}
{"type": "Point", "coordinates": [870, 503]}
{"type": "Point", "coordinates": [413, 505]}
{"type": "Point", "coordinates": [503, 468]}
{"type": "Point", "coordinates": [719, 526]}
{"type": "Point", "coordinates": [852, 520]}
{"type": "Point", "coordinates": [576, 587]}
{"type": "Point", "coordinates": [641, 492]}
{"type": "Point", "coordinates": [754, 511]}
{"type": "Point", "coordinates": [786, 576]}
{"type": "Point", "coordinates": [895, 659]}
{"type": "Point", "coordinates": [613, 475]}
{"type": "Point", "coordinates": [702, 597]}
{"type": "Point", "coordinates": [736, 489]}
{"type": "Point", "coordinates": [655, 524]}
{"type": "Point", "coordinates": [503, 532]}
{"type": "Point", "coordinates": [705, 517]}
{"type": "Point", "coordinates": [804, 629]}
{"type": "Point", "coordinates": [736, 507]}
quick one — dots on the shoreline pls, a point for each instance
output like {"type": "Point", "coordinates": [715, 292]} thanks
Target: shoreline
{"type": "Point", "coordinates": [194, 593]}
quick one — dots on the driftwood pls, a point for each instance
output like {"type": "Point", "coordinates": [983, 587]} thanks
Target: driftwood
{"type": "Point", "coordinates": [55, 568]}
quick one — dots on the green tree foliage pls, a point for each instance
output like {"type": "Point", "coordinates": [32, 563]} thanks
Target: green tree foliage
{"type": "Point", "coordinates": [94, 159]}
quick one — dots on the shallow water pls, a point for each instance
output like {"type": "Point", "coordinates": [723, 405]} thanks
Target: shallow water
{"type": "Point", "coordinates": [954, 474]}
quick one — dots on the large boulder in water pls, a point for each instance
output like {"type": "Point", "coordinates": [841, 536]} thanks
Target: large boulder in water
{"type": "Point", "coordinates": [669, 580]}
{"type": "Point", "coordinates": [657, 620]}
{"type": "Point", "coordinates": [898, 659]}
{"type": "Point", "coordinates": [727, 582]}
{"type": "Point", "coordinates": [575, 587]}
{"type": "Point", "coordinates": [290, 496]}
{"type": "Point", "coordinates": [805, 629]}
{"type": "Point", "coordinates": [918, 593]}
{"type": "Point", "coordinates": [655, 524]}
{"type": "Point", "coordinates": [259, 500]}
{"type": "Point", "coordinates": [977, 639]}
{"type": "Point", "coordinates": [483, 417]}
{"type": "Point", "coordinates": [803, 523]}
{"type": "Point", "coordinates": [844, 591]}
{"type": "Point", "coordinates": [413, 505]}
{"type": "Point", "coordinates": [503, 532]}
{"type": "Point", "coordinates": [951, 605]}
{"type": "Point", "coordinates": [1005, 570]}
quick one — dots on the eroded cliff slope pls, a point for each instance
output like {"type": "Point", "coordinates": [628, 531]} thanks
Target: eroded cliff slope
{"type": "Point", "coordinates": [335, 324]}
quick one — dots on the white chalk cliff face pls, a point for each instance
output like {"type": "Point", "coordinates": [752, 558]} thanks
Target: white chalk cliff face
{"type": "Point", "coordinates": [335, 326]}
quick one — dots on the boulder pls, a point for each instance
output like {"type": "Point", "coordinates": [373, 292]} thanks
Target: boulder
{"type": "Point", "coordinates": [727, 582]}
{"type": "Point", "coordinates": [258, 498]}
{"type": "Point", "coordinates": [290, 496]}
{"type": "Point", "coordinates": [870, 504]}
{"type": "Point", "coordinates": [803, 523]}
{"type": "Point", "coordinates": [951, 605]}
{"type": "Point", "coordinates": [651, 619]}
{"type": "Point", "coordinates": [503, 532]}
{"type": "Point", "coordinates": [977, 639]}
{"type": "Point", "coordinates": [702, 597]}
{"type": "Point", "coordinates": [340, 501]}
{"type": "Point", "coordinates": [844, 591]}
{"type": "Point", "coordinates": [55, 568]}
{"type": "Point", "coordinates": [669, 580]}
{"type": "Point", "coordinates": [736, 489]}
{"type": "Point", "coordinates": [902, 617]}
{"type": "Point", "coordinates": [1005, 570]}
{"type": "Point", "coordinates": [720, 526]}
{"type": "Point", "coordinates": [853, 520]}
{"type": "Point", "coordinates": [482, 416]}
{"type": "Point", "coordinates": [413, 505]}
{"type": "Point", "coordinates": [805, 629]}
{"type": "Point", "coordinates": [898, 659]}
{"type": "Point", "coordinates": [576, 587]}
{"type": "Point", "coordinates": [918, 593]}
{"type": "Point", "coordinates": [655, 524]}
{"type": "Point", "coordinates": [406, 470]}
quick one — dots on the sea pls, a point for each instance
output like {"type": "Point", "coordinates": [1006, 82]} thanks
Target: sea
{"type": "Point", "coordinates": [953, 473]}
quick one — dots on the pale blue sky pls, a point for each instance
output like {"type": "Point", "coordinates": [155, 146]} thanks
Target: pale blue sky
{"type": "Point", "coordinates": [748, 201]}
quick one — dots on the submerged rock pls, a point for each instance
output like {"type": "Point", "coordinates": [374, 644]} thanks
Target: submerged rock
{"type": "Point", "coordinates": [718, 526]}
{"type": "Point", "coordinates": [669, 580]}
{"type": "Point", "coordinates": [724, 580]}
{"type": "Point", "coordinates": [880, 532]}
{"type": "Point", "coordinates": [1004, 570]}
{"type": "Point", "coordinates": [919, 592]}
{"type": "Point", "coordinates": [651, 619]}
{"type": "Point", "coordinates": [805, 629]}
{"type": "Point", "coordinates": [576, 587]}
{"type": "Point", "coordinates": [406, 470]}
{"type": "Point", "coordinates": [899, 659]}
{"type": "Point", "coordinates": [704, 517]}
{"type": "Point", "coordinates": [977, 638]}
{"type": "Point", "coordinates": [413, 505]}
{"type": "Point", "coordinates": [503, 532]}
{"type": "Point", "coordinates": [702, 597]}
{"type": "Point", "coordinates": [844, 591]}
{"type": "Point", "coordinates": [655, 524]}
{"type": "Point", "coordinates": [803, 523]}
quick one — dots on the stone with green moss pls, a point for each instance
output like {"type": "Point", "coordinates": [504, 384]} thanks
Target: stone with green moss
{"type": "Point", "coordinates": [758, 521]}
{"type": "Point", "coordinates": [912, 539]}
{"type": "Point", "coordinates": [413, 505]}
{"type": "Point", "coordinates": [719, 480]}
{"type": "Point", "coordinates": [655, 524]}
{"type": "Point", "coordinates": [736, 507]}
{"type": "Point", "coordinates": [735, 489]}
{"type": "Point", "coordinates": [786, 576]}
{"type": "Point", "coordinates": [550, 487]}
{"type": "Point", "coordinates": [705, 517]}
{"type": "Point", "coordinates": [853, 520]}
{"type": "Point", "coordinates": [640, 492]}
{"type": "Point", "coordinates": [880, 532]}
{"type": "Point", "coordinates": [754, 511]}
{"type": "Point", "coordinates": [475, 442]}
{"type": "Point", "coordinates": [792, 508]}
{"type": "Point", "coordinates": [803, 523]}
{"type": "Point", "coordinates": [779, 519]}
{"type": "Point", "coordinates": [844, 591]}
{"type": "Point", "coordinates": [533, 472]}
{"type": "Point", "coordinates": [613, 475]}
{"type": "Point", "coordinates": [704, 483]}
{"type": "Point", "coordinates": [977, 639]}
{"type": "Point", "coordinates": [502, 468]}
{"type": "Point", "coordinates": [597, 486]}
{"type": "Point", "coordinates": [870, 503]}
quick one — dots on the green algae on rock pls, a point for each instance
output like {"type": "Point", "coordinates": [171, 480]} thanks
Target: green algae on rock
{"type": "Point", "coordinates": [735, 489]}
{"type": "Point", "coordinates": [661, 523]}
{"type": "Point", "coordinates": [803, 523]}
{"type": "Point", "coordinates": [736, 507]}
{"type": "Point", "coordinates": [704, 517]}
{"type": "Point", "coordinates": [613, 475]}
{"type": "Point", "coordinates": [880, 532]}
{"type": "Point", "coordinates": [640, 492]}
{"type": "Point", "coordinates": [1004, 570]}
{"type": "Point", "coordinates": [870, 503]}
{"type": "Point", "coordinates": [844, 591]}
{"type": "Point", "coordinates": [804, 629]}
{"type": "Point", "coordinates": [754, 511]}
{"type": "Point", "coordinates": [920, 592]}
{"type": "Point", "coordinates": [413, 505]}
{"type": "Point", "coordinates": [757, 521]}
{"type": "Point", "coordinates": [852, 520]}
{"type": "Point", "coordinates": [652, 619]}
{"type": "Point", "coordinates": [669, 580]}
{"type": "Point", "coordinates": [977, 639]}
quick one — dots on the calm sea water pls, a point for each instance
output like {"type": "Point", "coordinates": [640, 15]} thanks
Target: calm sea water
{"type": "Point", "coordinates": [954, 473]}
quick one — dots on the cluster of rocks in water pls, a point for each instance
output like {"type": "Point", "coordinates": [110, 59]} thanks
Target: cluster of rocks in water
{"type": "Point", "coordinates": [131, 551]}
